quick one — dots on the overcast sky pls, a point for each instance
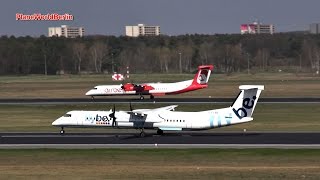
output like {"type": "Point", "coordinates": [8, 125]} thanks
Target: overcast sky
{"type": "Point", "coordinates": [108, 17]}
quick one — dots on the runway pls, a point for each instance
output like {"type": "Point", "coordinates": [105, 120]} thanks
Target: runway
{"type": "Point", "coordinates": [10, 101]}
{"type": "Point", "coordinates": [185, 140]}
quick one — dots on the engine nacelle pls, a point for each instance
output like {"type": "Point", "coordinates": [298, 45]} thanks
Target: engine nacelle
{"type": "Point", "coordinates": [128, 87]}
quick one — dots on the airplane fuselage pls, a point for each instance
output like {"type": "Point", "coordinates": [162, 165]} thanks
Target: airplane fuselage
{"type": "Point", "coordinates": [159, 89]}
{"type": "Point", "coordinates": [164, 120]}
{"type": "Point", "coordinates": [199, 81]}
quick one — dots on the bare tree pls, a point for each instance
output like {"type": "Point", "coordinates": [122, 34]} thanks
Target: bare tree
{"type": "Point", "coordinates": [262, 58]}
{"type": "Point", "coordinates": [311, 51]}
{"type": "Point", "coordinates": [204, 52]}
{"type": "Point", "coordinates": [79, 52]}
{"type": "Point", "coordinates": [165, 59]}
{"type": "Point", "coordinates": [186, 51]}
{"type": "Point", "coordinates": [98, 52]}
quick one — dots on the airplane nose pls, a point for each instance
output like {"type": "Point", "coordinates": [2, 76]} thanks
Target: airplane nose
{"type": "Point", "coordinates": [56, 122]}
{"type": "Point", "coordinates": [89, 93]}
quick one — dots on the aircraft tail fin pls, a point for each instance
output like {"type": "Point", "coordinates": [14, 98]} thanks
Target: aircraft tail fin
{"type": "Point", "coordinates": [203, 75]}
{"type": "Point", "coordinates": [243, 106]}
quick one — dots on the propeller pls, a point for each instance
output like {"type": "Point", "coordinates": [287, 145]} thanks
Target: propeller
{"type": "Point", "coordinates": [131, 107]}
{"type": "Point", "coordinates": [112, 116]}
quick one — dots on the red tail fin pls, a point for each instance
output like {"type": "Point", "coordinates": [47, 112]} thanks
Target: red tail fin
{"type": "Point", "coordinates": [203, 75]}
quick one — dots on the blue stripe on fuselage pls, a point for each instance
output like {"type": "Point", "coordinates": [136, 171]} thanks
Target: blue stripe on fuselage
{"type": "Point", "coordinates": [211, 121]}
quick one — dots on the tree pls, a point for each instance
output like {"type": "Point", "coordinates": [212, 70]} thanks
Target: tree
{"type": "Point", "coordinates": [165, 59]}
{"type": "Point", "coordinates": [98, 53]}
{"type": "Point", "coordinates": [79, 52]}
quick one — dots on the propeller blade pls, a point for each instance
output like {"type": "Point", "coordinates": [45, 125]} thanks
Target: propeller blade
{"type": "Point", "coordinates": [130, 107]}
{"type": "Point", "coordinates": [113, 116]}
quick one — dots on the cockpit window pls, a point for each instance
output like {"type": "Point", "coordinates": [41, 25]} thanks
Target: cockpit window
{"type": "Point", "coordinates": [67, 115]}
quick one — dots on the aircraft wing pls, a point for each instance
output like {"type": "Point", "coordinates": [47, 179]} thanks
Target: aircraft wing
{"type": "Point", "coordinates": [141, 114]}
{"type": "Point", "coordinates": [166, 108]}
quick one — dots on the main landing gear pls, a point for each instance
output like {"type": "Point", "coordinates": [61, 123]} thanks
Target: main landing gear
{"type": "Point", "coordinates": [142, 97]}
{"type": "Point", "coordinates": [159, 132]}
{"type": "Point", "coordinates": [62, 131]}
{"type": "Point", "coordinates": [142, 133]}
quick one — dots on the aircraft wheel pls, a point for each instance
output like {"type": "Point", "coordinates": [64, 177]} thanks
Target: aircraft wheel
{"type": "Point", "coordinates": [141, 98]}
{"type": "Point", "coordinates": [62, 131]}
{"type": "Point", "coordinates": [92, 97]}
{"type": "Point", "coordinates": [151, 97]}
{"type": "Point", "coordinates": [142, 134]}
{"type": "Point", "coordinates": [159, 132]}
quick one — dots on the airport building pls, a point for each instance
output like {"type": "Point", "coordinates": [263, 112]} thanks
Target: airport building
{"type": "Point", "coordinates": [257, 28]}
{"type": "Point", "coordinates": [314, 28]}
{"type": "Point", "coordinates": [142, 30]}
{"type": "Point", "coordinates": [66, 31]}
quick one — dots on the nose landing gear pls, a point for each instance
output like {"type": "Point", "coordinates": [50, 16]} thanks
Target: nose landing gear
{"type": "Point", "coordinates": [62, 131]}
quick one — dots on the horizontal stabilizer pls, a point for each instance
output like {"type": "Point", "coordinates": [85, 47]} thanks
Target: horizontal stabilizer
{"type": "Point", "coordinates": [246, 87]}
{"type": "Point", "coordinates": [247, 119]}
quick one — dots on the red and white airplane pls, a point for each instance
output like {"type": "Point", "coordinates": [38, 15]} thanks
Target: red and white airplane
{"type": "Point", "coordinates": [199, 81]}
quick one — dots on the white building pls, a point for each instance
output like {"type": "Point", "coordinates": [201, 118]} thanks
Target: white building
{"type": "Point", "coordinates": [66, 31]}
{"type": "Point", "coordinates": [142, 30]}
{"type": "Point", "coordinates": [257, 28]}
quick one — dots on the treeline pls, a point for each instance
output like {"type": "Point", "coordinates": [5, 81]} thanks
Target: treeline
{"type": "Point", "coordinates": [163, 54]}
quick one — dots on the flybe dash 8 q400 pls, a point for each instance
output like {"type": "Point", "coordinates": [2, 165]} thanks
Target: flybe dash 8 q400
{"type": "Point", "coordinates": [166, 118]}
{"type": "Point", "coordinates": [199, 81]}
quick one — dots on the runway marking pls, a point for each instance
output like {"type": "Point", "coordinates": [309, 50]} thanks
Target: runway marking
{"type": "Point", "coordinates": [163, 102]}
{"type": "Point", "coordinates": [62, 136]}
{"type": "Point", "coordinates": [179, 146]}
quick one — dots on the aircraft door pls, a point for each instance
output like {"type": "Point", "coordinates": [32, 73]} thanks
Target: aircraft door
{"type": "Point", "coordinates": [79, 120]}
{"type": "Point", "coordinates": [189, 124]}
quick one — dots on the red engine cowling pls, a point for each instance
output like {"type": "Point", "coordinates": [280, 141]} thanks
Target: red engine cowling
{"type": "Point", "coordinates": [147, 88]}
{"type": "Point", "coordinates": [137, 88]}
{"type": "Point", "coordinates": [128, 87]}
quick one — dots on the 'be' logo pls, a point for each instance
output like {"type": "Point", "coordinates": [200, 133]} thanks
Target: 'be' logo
{"type": "Point", "coordinates": [247, 104]}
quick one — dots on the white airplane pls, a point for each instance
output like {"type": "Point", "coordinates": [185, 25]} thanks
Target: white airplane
{"type": "Point", "coordinates": [199, 81]}
{"type": "Point", "coordinates": [165, 118]}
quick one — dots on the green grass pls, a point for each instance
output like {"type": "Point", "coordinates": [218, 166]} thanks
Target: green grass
{"type": "Point", "coordinates": [267, 117]}
{"type": "Point", "coordinates": [220, 85]}
{"type": "Point", "coordinates": [160, 164]}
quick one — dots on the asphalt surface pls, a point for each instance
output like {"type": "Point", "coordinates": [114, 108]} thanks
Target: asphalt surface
{"type": "Point", "coordinates": [8, 101]}
{"type": "Point", "coordinates": [184, 138]}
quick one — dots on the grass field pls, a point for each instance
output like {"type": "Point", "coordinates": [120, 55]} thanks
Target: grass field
{"type": "Point", "coordinates": [220, 85]}
{"type": "Point", "coordinates": [267, 117]}
{"type": "Point", "coordinates": [160, 164]}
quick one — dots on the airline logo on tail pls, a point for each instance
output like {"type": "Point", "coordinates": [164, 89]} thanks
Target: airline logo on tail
{"type": "Point", "coordinates": [246, 101]}
{"type": "Point", "coordinates": [247, 104]}
{"type": "Point", "coordinates": [203, 75]}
